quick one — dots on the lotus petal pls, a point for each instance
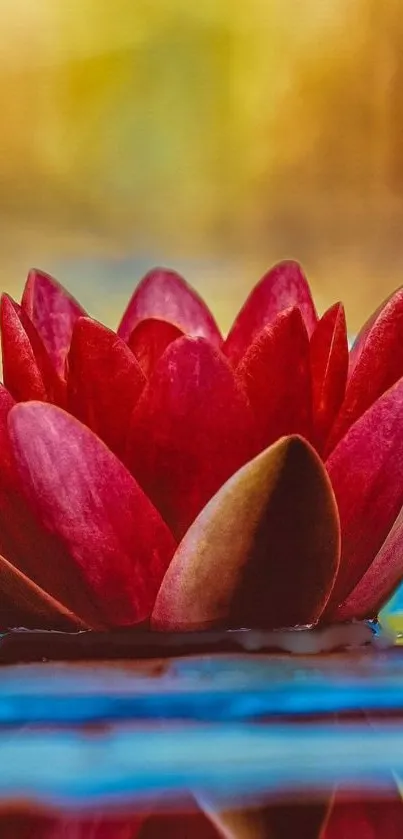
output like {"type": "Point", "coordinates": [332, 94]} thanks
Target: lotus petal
{"type": "Point", "coordinates": [54, 312]}
{"type": "Point", "coordinates": [379, 582]}
{"type": "Point", "coordinates": [366, 473]}
{"type": "Point", "coordinates": [276, 375]}
{"type": "Point", "coordinates": [26, 544]}
{"type": "Point", "coordinates": [87, 499]}
{"type": "Point", "coordinates": [329, 364]}
{"type": "Point", "coordinates": [284, 286]}
{"type": "Point", "coordinates": [7, 461]}
{"type": "Point", "coordinates": [149, 340]}
{"type": "Point", "coordinates": [165, 294]}
{"type": "Point", "coordinates": [377, 364]}
{"type": "Point", "coordinates": [22, 602]}
{"type": "Point", "coordinates": [104, 382]}
{"type": "Point", "coordinates": [27, 370]}
{"type": "Point", "coordinates": [41, 557]}
{"type": "Point", "coordinates": [264, 552]}
{"type": "Point", "coordinates": [192, 428]}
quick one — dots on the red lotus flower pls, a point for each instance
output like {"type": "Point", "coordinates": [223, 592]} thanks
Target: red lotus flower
{"type": "Point", "coordinates": [164, 473]}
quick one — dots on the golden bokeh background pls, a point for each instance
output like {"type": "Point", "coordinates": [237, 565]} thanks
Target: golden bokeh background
{"type": "Point", "coordinates": [216, 137]}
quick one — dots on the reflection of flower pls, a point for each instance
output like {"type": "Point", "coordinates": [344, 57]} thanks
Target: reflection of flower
{"type": "Point", "coordinates": [215, 445]}
{"type": "Point", "coordinates": [365, 819]}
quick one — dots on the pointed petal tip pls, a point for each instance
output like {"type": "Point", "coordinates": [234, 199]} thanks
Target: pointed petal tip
{"type": "Point", "coordinates": [53, 311]}
{"type": "Point", "coordinates": [165, 294]}
{"type": "Point", "coordinates": [282, 287]}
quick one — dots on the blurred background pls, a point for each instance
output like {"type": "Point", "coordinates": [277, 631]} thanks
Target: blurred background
{"type": "Point", "coordinates": [216, 137]}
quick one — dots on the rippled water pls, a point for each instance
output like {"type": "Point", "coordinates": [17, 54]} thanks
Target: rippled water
{"type": "Point", "coordinates": [242, 727]}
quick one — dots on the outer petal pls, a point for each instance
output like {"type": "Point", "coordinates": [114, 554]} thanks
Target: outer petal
{"type": "Point", "coordinates": [23, 540]}
{"type": "Point", "coordinates": [27, 370]}
{"type": "Point", "coordinates": [104, 382]}
{"type": "Point", "coordinates": [282, 287]}
{"type": "Point", "coordinates": [377, 363]}
{"type": "Point", "coordinates": [264, 552]}
{"type": "Point", "coordinates": [379, 582]}
{"type": "Point", "coordinates": [366, 472]}
{"type": "Point", "coordinates": [191, 430]}
{"type": "Point", "coordinates": [54, 312]}
{"type": "Point", "coordinates": [24, 603]}
{"type": "Point", "coordinates": [149, 340]}
{"type": "Point", "coordinates": [165, 294]}
{"type": "Point", "coordinates": [329, 362]}
{"type": "Point", "coordinates": [275, 372]}
{"type": "Point", "coordinates": [86, 498]}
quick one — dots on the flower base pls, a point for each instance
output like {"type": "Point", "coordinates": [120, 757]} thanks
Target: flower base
{"type": "Point", "coordinates": [18, 645]}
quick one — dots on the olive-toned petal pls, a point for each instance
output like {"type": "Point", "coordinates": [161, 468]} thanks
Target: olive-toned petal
{"type": "Point", "coordinates": [86, 499]}
{"type": "Point", "coordinates": [284, 286]}
{"type": "Point", "coordinates": [24, 603]}
{"type": "Point", "coordinates": [104, 382]}
{"type": "Point", "coordinates": [366, 471]}
{"type": "Point", "coordinates": [149, 340]}
{"type": "Point", "coordinates": [192, 428]}
{"type": "Point", "coordinates": [275, 373]}
{"type": "Point", "coordinates": [166, 295]}
{"type": "Point", "coordinates": [53, 311]}
{"type": "Point", "coordinates": [329, 364]}
{"type": "Point", "coordinates": [379, 582]}
{"type": "Point", "coordinates": [264, 551]}
{"type": "Point", "coordinates": [376, 364]}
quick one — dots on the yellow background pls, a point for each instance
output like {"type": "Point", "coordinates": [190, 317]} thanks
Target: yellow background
{"type": "Point", "coordinates": [217, 137]}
